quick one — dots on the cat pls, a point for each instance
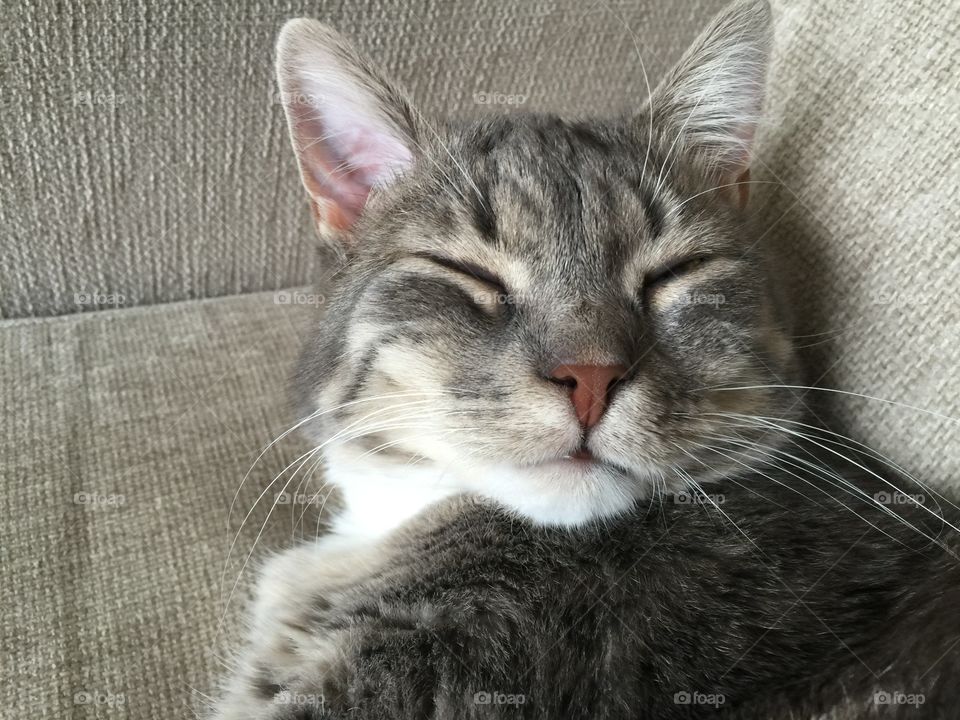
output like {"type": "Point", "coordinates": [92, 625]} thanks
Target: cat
{"type": "Point", "coordinates": [556, 390]}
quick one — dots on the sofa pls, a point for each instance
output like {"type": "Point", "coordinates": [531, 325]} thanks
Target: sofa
{"type": "Point", "coordinates": [157, 248]}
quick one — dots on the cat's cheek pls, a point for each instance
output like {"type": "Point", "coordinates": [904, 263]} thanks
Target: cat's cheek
{"type": "Point", "coordinates": [631, 433]}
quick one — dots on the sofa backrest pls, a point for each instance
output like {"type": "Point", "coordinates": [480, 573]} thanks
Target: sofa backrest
{"type": "Point", "coordinates": [146, 156]}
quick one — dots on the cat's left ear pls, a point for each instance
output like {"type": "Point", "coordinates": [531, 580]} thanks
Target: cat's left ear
{"type": "Point", "coordinates": [352, 129]}
{"type": "Point", "coordinates": [709, 105]}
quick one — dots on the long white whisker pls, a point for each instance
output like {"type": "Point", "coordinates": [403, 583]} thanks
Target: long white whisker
{"type": "Point", "coordinates": [726, 185]}
{"type": "Point", "coordinates": [849, 460]}
{"type": "Point", "coordinates": [812, 469]}
{"type": "Point", "coordinates": [317, 413]}
{"type": "Point", "coordinates": [265, 522]}
{"type": "Point", "coordinates": [841, 392]}
{"type": "Point", "coordinates": [843, 441]}
{"type": "Point", "coordinates": [696, 486]}
{"type": "Point", "coordinates": [744, 465]}
{"type": "Point", "coordinates": [646, 80]}
{"type": "Point", "coordinates": [305, 457]}
{"type": "Point", "coordinates": [344, 430]}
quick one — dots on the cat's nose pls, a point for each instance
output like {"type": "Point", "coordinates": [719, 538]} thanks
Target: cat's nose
{"type": "Point", "coordinates": [590, 388]}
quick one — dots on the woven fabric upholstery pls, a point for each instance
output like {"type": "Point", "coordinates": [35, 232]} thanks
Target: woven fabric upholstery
{"type": "Point", "coordinates": [145, 162]}
{"type": "Point", "coordinates": [863, 137]}
{"type": "Point", "coordinates": [146, 158]}
{"type": "Point", "coordinates": [126, 435]}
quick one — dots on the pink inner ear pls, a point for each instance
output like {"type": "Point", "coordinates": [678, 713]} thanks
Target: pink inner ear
{"type": "Point", "coordinates": [343, 156]}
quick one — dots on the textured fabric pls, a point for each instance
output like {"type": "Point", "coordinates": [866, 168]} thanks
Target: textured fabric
{"type": "Point", "coordinates": [863, 141]}
{"type": "Point", "coordinates": [182, 186]}
{"type": "Point", "coordinates": [125, 436]}
{"type": "Point", "coordinates": [146, 159]}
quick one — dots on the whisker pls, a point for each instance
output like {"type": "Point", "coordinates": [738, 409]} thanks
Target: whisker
{"type": "Point", "coordinates": [726, 185]}
{"type": "Point", "coordinates": [305, 458]}
{"type": "Point", "coordinates": [344, 430]}
{"type": "Point", "coordinates": [233, 589]}
{"type": "Point", "coordinates": [307, 478]}
{"type": "Point", "coordinates": [317, 413]}
{"type": "Point", "coordinates": [646, 80]}
{"type": "Point", "coordinates": [875, 454]}
{"type": "Point", "coordinates": [696, 487]}
{"type": "Point", "coordinates": [864, 497]}
{"type": "Point", "coordinates": [826, 474]}
{"type": "Point", "coordinates": [849, 460]}
{"type": "Point", "coordinates": [751, 468]}
{"type": "Point", "coordinates": [834, 390]}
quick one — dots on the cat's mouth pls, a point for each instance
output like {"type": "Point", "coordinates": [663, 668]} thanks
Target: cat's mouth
{"type": "Point", "coordinates": [583, 458]}
{"type": "Point", "coordinates": [581, 454]}
{"type": "Point", "coordinates": [567, 489]}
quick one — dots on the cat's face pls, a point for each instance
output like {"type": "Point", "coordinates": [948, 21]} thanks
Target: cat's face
{"type": "Point", "coordinates": [540, 311]}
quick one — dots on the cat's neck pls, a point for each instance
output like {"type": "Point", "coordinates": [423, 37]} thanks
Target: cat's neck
{"type": "Point", "coordinates": [379, 497]}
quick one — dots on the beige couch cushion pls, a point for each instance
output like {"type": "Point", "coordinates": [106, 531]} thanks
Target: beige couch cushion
{"type": "Point", "coordinates": [125, 435]}
{"type": "Point", "coordinates": [863, 134]}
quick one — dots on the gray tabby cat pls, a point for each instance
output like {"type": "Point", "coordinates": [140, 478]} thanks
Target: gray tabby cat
{"type": "Point", "coordinates": [561, 405]}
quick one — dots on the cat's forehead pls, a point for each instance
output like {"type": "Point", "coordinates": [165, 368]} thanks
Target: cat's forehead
{"type": "Point", "coordinates": [547, 164]}
{"type": "Point", "coordinates": [563, 199]}
{"type": "Point", "coordinates": [541, 186]}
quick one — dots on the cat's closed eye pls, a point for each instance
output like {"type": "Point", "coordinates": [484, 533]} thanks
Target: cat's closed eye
{"type": "Point", "coordinates": [469, 269]}
{"type": "Point", "coordinates": [673, 271]}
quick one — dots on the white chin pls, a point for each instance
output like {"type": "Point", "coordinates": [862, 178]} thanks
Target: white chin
{"type": "Point", "coordinates": [562, 492]}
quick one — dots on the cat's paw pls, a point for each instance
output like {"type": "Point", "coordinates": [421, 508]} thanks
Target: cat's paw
{"type": "Point", "coordinates": [300, 592]}
{"type": "Point", "coordinates": [299, 630]}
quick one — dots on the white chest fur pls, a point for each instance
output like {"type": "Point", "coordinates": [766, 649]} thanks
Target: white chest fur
{"type": "Point", "coordinates": [379, 497]}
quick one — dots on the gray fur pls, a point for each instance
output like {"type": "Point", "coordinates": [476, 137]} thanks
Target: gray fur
{"type": "Point", "coordinates": [614, 621]}
{"type": "Point", "coordinates": [798, 595]}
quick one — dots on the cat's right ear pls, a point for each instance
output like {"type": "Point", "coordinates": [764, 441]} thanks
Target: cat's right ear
{"type": "Point", "coordinates": [709, 105]}
{"type": "Point", "coordinates": [352, 130]}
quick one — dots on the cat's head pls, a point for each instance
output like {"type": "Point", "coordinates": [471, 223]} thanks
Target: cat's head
{"type": "Point", "coordinates": [539, 310]}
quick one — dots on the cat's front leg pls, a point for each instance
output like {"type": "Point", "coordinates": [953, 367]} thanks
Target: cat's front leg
{"type": "Point", "coordinates": [406, 670]}
{"type": "Point", "coordinates": [294, 637]}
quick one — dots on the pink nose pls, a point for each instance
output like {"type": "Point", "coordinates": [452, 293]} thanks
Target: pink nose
{"type": "Point", "coordinates": [590, 388]}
